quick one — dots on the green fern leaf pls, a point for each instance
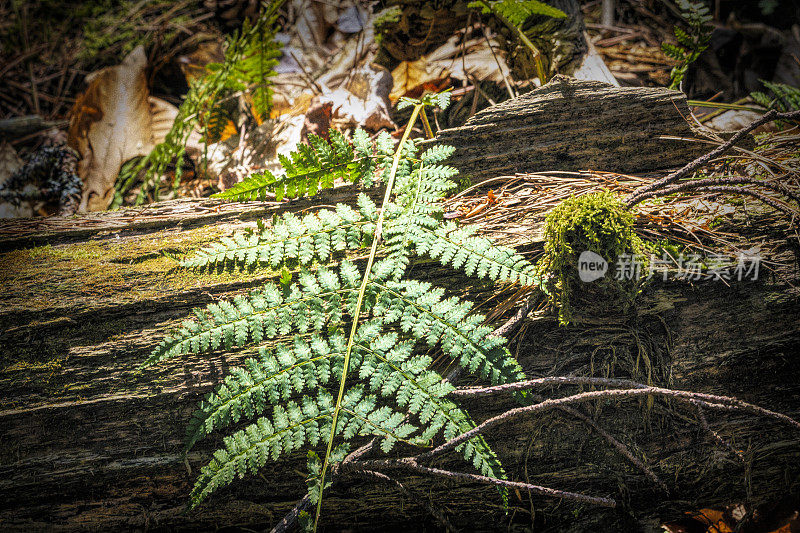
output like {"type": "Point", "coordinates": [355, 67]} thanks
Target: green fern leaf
{"type": "Point", "coordinates": [783, 98]}
{"type": "Point", "coordinates": [313, 303]}
{"type": "Point", "coordinates": [518, 11]}
{"type": "Point", "coordinates": [315, 237]}
{"type": "Point", "coordinates": [476, 256]}
{"type": "Point", "coordinates": [291, 427]}
{"type": "Point", "coordinates": [420, 310]}
{"type": "Point", "coordinates": [308, 170]}
{"type": "Point", "coordinates": [286, 392]}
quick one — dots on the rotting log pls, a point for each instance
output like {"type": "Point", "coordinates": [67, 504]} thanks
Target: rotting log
{"type": "Point", "coordinates": [570, 124]}
{"type": "Point", "coordinates": [89, 443]}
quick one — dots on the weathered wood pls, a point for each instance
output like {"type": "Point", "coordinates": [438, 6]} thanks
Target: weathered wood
{"type": "Point", "coordinates": [15, 127]}
{"type": "Point", "coordinates": [88, 442]}
{"type": "Point", "coordinates": [576, 125]}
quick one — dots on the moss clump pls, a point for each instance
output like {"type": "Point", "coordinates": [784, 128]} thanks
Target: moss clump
{"type": "Point", "coordinates": [598, 223]}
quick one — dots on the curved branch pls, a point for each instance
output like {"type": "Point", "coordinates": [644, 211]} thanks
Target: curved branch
{"type": "Point", "coordinates": [435, 512]}
{"type": "Point", "coordinates": [769, 116]}
{"type": "Point", "coordinates": [711, 401]}
{"type": "Point", "coordinates": [737, 180]}
{"type": "Point", "coordinates": [411, 464]}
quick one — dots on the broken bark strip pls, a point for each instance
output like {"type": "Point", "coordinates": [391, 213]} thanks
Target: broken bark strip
{"type": "Point", "coordinates": [88, 442]}
{"type": "Point", "coordinates": [575, 125]}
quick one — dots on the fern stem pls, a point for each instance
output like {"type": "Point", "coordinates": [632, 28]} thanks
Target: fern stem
{"type": "Point", "coordinates": [537, 55]}
{"type": "Point", "coordinates": [357, 311]}
{"type": "Point", "coordinates": [426, 125]}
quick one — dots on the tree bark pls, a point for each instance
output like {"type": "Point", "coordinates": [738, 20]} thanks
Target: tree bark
{"type": "Point", "coordinates": [575, 125]}
{"type": "Point", "coordinates": [89, 442]}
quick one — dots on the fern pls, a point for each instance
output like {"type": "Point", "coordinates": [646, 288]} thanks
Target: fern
{"type": "Point", "coordinates": [513, 14]}
{"type": "Point", "coordinates": [690, 44]}
{"type": "Point", "coordinates": [313, 167]}
{"type": "Point", "coordinates": [288, 391]}
{"type": "Point", "coordinates": [476, 256]}
{"type": "Point", "coordinates": [293, 240]}
{"type": "Point", "coordinates": [517, 12]}
{"type": "Point", "coordinates": [250, 56]}
{"type": "Point", "coordinates": [782, 97]}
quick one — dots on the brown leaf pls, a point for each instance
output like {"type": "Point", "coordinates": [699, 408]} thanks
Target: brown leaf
{"type": "Point", "coordinates": [410, 75]}
{"type": "Point", "coordinates": [474, 59]}
{"type": "Point", "coordinates": [114, 120]}
{"type": "Point", "coordinates": [364, 101]}
{"type": "Point", "coordinates": [193, 65]}
{"type": "Point", "coordinates": [318, 120]}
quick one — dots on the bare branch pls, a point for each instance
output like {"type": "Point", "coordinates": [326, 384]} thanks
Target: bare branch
{"type": "Point", "coordinates": [730, 181]}
{"type": "Point", "coordinates": [434, 511]}
{"type": "Point", "coordinates": [411, 464]}
{"type": "Point", "coordinates": [769, 116]}
{"type": "Point", "coordinates": [749, 192]}
{"type": "Point", "coordinates": [722, 442]}
{"type": "Point", "coordinates": [710, 401]}
{"type": "Point", "coordinates": [291, 517]}
{"type": "Point", "coordinates": [469, 392]}
{"type": "Point", "coordinates": [621, 448]}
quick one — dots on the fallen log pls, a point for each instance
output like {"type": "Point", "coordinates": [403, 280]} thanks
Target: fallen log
{"type": "Point", "coordinates": [571, 124]}
{"type": "Point", "coordinates": [88, 442]}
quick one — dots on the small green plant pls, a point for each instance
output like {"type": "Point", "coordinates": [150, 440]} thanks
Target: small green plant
{"type": "Point", "coordinates": [779, 96]}
{"type": "Point", "coordinates": [349, 340]}
{"type": "Point", "coordinates": [250, 56]}
{"type": "Point", "coordinates": [513, 13]}
{"type": "Point", "coordinates": [597, 222]}
{"type": "Point", "coordinates": [690, 44]}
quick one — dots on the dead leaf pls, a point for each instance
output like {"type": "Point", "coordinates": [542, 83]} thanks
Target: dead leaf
{"type": "Point", "coordinates": [351, 21]}
{"type": "Point", "coordinates": [364, 101]}
{"type": "Point", "coordinates": [114, 120]}
{"type": "Point", "coordinates": [475, 59]}
{"type": "Point", "coordinates": [715, 520]}
{"type": "Point", "coordinates": [411, 75]}
{"type": "Point", "coordinates": [193, 65]}
{"type": "Point", "coordinates": [318, 120]}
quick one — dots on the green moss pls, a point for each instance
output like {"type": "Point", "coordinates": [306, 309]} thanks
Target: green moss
{"type": "Point", "coordinates": [599, 223]}
{"type": "Point", "coordinates": [52, 365]}
{"type": "Point", "coordinates": [81, 275]}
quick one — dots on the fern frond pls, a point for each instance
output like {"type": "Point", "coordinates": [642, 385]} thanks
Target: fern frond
{"type": "Point", "coordinates": [672, 51]}
{"type": "Point", "coordinates": [391, 370]}
{"type": "Point", "coordinates": [291, 427]}
{"type": "Point", "coordinates": [518, 11]}
{"type": "Point", "coordinates": [311, 168]}
{"type": "Point", "coordinates": [247, 450]}
{"type": "Point", "coordinates": [476, 256]}
{"type": "Point", "coordinates": [315, 237]}
{"type": "Point", "coordinates": [249, 57]}
{"type": "Point", "coordinates": [425, 185]}
{"type": "Point", "coordinates": [419, 187]}
{"type": "Point", "coordinates": [782, 97]}
{"type": "Point", "coordinates": [420, 310]}
{"type": "Point", "coordinates": [252, 71]}
{"type": "Point", "coordinates": [316, 301]}
{"type": "Point", "coordinates": [388, 368]}
{"type": "Point", "coordinates": [379, 374]}
{"type": "Point", "coordinates": [690, 44]}
{"type": "Point", "coordinates": [272, 377]}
